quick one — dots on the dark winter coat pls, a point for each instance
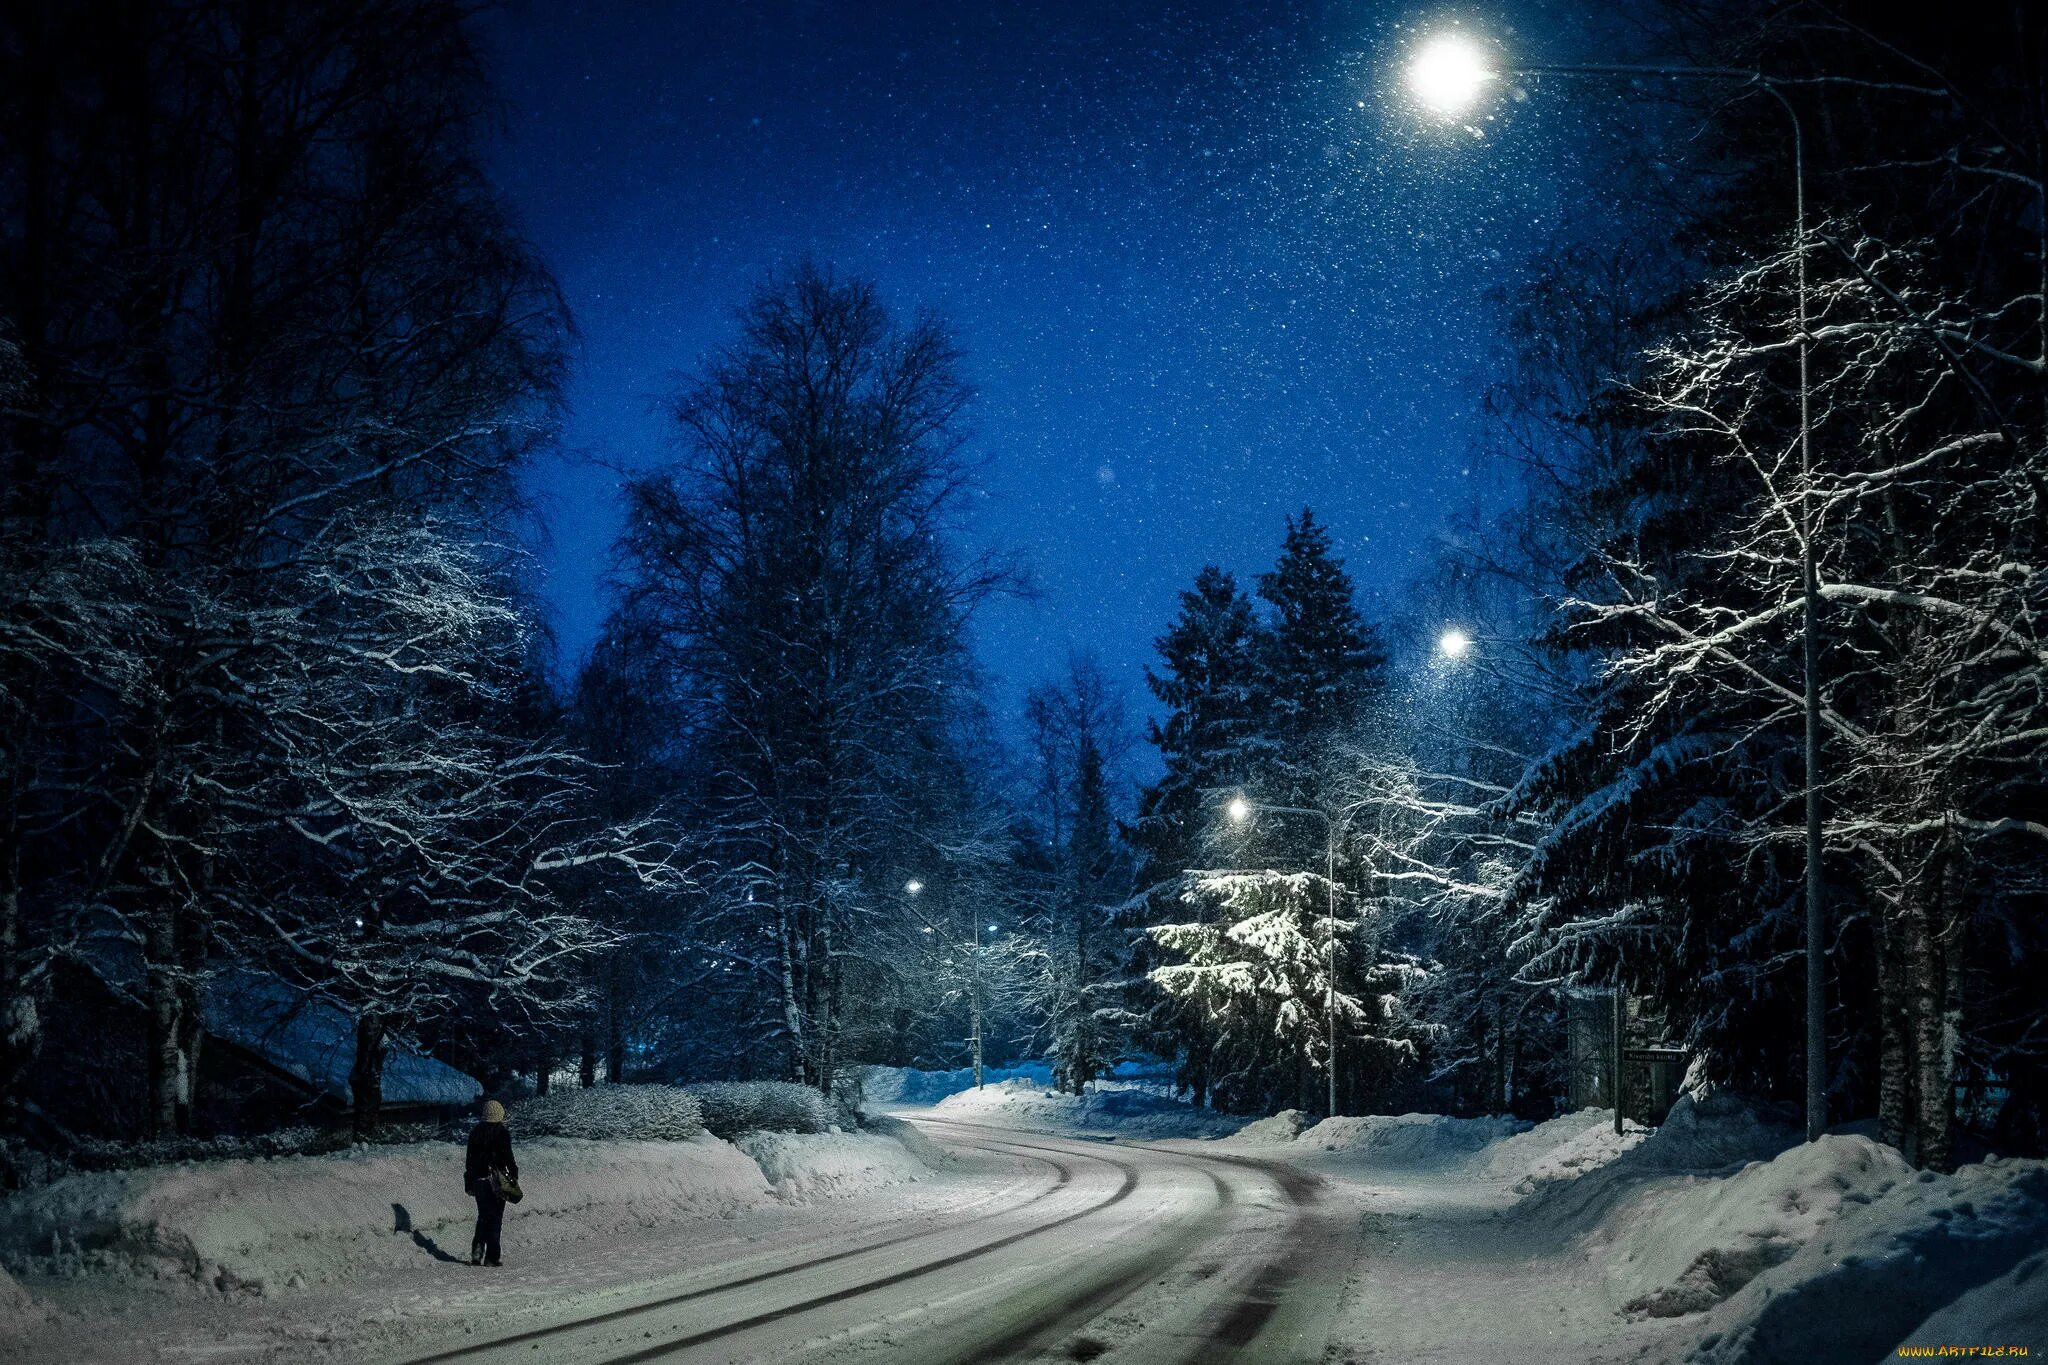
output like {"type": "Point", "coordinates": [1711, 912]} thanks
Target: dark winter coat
{"type": "Point", "coordinates": [490, 1149]}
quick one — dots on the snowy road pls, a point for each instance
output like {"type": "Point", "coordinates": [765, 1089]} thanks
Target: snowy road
{"type": "Point", "coordinates": [1142, 1253]}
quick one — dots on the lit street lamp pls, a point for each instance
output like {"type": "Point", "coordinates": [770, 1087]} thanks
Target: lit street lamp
{"type": "Point", "coordinates": [1454, 643]}
{"type": "Point", "coordinates": [914, 887]}
{"type": "Point", "coordinates": [1240, 811]}
{"type": "Point", "coordinates": [1447, 74]}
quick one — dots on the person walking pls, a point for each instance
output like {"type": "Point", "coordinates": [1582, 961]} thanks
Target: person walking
{"type": "Point", "coordinates": [490, 1151]}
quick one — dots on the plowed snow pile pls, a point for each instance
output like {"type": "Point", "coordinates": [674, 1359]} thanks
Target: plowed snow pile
{"type": "Point", "coordinates": [1563, 1148]}
{"type": "Point", "coordinates": [1510, 1151]}
{"type": "Point", "coordinates": [1699, 1241]}
{"type": "Point", "coordinates": [281, 1223]}
{"type": "Point", "coordinates": [1413, 1141]}
{"type": "Point", "coordinates": [807, 1166]}
{"type": "Point", "coordinates": [2012, 1309]}
{"type": "Point", "coordinates": [1285, 1126]}
{"type": "Point", "coordinates": [1862, 1254]}
{"type": "Point", "coordinates": [1108, 1108]}
{"type": "Point", "coordinates": [886, 1086]}
{"type": "Point", "coordinates": [18, 1312]}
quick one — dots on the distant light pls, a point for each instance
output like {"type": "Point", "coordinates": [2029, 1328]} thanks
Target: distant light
{"type": "Point", "coordinates": [992, 928]}
{"type": "Point", "coordinates": [1447, 74]}
{"type": "Point", "coordinates": [1239, 810]}
{"type": "Point", "coordinates": [1454, 643]}
{"type": "Point", "coordinates": [913, 886]}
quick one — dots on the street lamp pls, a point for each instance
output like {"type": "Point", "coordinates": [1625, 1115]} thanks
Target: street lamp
{"type": "Point", "coordinates": [1453, 643]}
{"type": "Point", "coordinates": [975, 1004]}
{"type": "Point", "coordinates": [1447, 74]}
{"type": "Point", "coordinates": [1241, 810]}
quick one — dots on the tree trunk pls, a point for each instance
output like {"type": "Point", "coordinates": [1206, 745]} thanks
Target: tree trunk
{"type": "Point", "coordinates": [543, 1067]}
{"type": "Point", "coordinates": [1895, 1038]}
{"type": "Point", "coordinates": [193, 946]}
{"type": "Point", "coordinates": [1932, 1046]}
{"type": "Point", "coordinates": [1504, 1058]}
{"type": "Point", "coordinates": [614, 1041]}
{"type": "Point", "coordinates": [792, 1010]}
{"type": "Point", "coordinates": [366, 1074]}
{"type": "Point", "coordinates": [166, 1080]}
{"type": "Point", "coordinates": [828, 1029]}
{"type": "Point", "coordinates": [21, 1025]}
{"type": "Point", "coordinates": [586, 1061]}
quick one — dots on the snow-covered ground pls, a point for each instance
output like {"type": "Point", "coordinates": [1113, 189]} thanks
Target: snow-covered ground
{"type": "Point", "coordinates": [1717, 1238]}
{"type": "Point", "coordinates": [1109, 1107]}
{"type": "Point", "coordinates": [245, 1232]}
{"type": "Point", "coordinates": [1121, 1225]}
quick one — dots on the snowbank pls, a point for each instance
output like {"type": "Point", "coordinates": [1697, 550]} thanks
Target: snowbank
{"type": "Point", "coordinates": [1694, 1245]}
{"type": "Point", "coordinates": [18, 1312]}
{"type": "Point", "coordinates": [1285, 1126]}
{"type": "Point", "coordinates": [1509, 1151]}
{"type": "Point", "coordinates": [264, 1225]}
{"type": "Point", "coordinates": [295, 1220]}
{"type": "Point", "coordinates": [2011, 1310]}
{"type": "Point", "coordinates": [1415, 1141]}
{"type": "Point", "coordinates": [1905, 1257]}
{"type": "Point", "coordinates": [1106, 1108]}
{"type": "Point", "coordinates": [884, 1087]}
{"type": "Point", "coordinates": [807, 1166]}
{"type": "Point", "coordinates": [913, 1139]}
{"type": "Point", "coordinates": [1562, 1148]}
{"type": "Point", "coordinates": [1718, 1131]}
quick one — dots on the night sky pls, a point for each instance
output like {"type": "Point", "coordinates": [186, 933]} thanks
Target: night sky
{"type": "Point", "coordinates": [1205, 263]}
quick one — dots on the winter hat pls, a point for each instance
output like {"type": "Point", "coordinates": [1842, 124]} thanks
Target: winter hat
{"type": "Point", "coordinates": [494, 1112]}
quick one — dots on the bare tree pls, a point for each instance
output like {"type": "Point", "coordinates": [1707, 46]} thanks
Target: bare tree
{"type": "Point", "coordinates": [793, 578]}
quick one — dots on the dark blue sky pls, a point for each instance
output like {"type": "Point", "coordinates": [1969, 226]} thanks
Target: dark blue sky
{"type": "Point", "coordinates": [1205, 265]}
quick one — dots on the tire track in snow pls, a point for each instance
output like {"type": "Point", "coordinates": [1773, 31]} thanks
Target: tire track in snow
{"type": "Point", "coordinates": [1257, 1323]}
{"type": "Point", "coordinates": [1228, 1331]}
{"type": "Point", "coordinates": [1064, 1175]}
{"type": "Point", "coordinates": [1040, 1334]}
{"type": "Point", "coordinates": [1236, 1329]}
{"type": "Point", "coordinates": [676, 1344]}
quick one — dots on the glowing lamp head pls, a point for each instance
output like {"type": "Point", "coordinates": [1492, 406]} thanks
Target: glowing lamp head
{"type": "Point", "coordinates": [1454, 643]}
{"type": "Point", "coordinates": [913, 886]}
{"type": "Point", "coordinates": [1448, 73]}
{"type": "Point", "coordinates": [1239, 810]}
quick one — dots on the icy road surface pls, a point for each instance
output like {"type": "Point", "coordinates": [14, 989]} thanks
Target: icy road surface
{"type": "Point", "coordinates": [1104, 1249]}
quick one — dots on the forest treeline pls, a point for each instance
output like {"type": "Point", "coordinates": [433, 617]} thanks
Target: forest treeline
{"type": "Point", "coordinates": [272, 696]}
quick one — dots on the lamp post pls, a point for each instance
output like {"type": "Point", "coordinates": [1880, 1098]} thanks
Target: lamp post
{"type": "Point", "coordinates": [1448, 74]}
{"type": "Point", "coordinates": [913, 888]}
{"type": "Point", "coordinates": [1240, 810]}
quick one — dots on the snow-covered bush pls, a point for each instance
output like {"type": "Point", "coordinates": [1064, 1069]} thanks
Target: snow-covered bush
{"type": "Point", "coordinates": [734, 1107]}
{"type": "Point", "coordinates": [661, 1113]}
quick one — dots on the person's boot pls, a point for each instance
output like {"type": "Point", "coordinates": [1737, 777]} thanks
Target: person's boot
{"type": "Point", "coordinates": [476, 1253]}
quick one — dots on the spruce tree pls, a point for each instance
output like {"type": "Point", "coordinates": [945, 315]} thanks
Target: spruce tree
{"type": "Point", "coordinates": [1092, 862]}
{"type": "Point", "coordinates": [1208, 684]}
{"type": "Point", "coordinates": [1320, 665]}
